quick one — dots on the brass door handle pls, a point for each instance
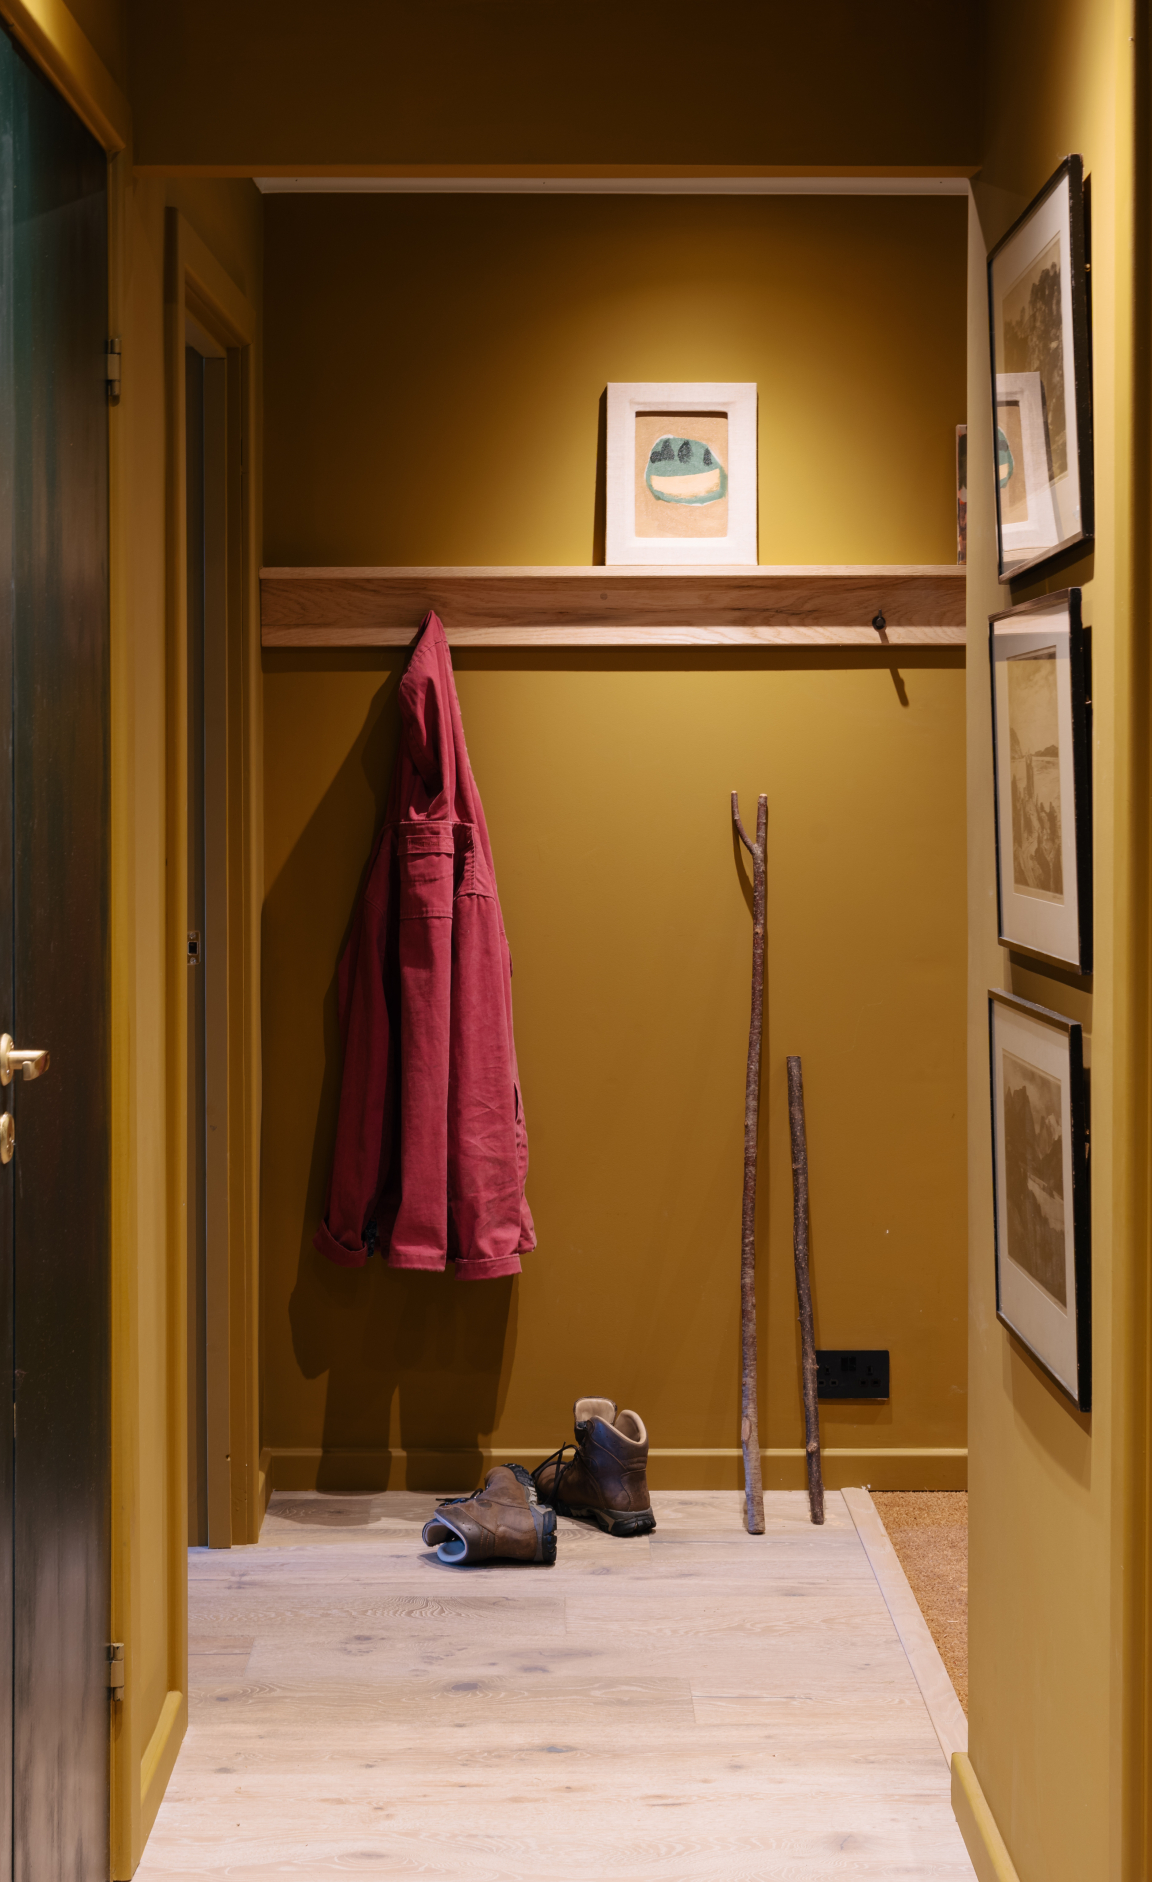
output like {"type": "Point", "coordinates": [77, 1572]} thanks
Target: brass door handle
{"type": "Point", "coordinates": [32, 1060]}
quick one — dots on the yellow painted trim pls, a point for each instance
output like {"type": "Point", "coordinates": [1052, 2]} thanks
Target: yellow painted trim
{"type": "Point", "coordinates": [163, 1750]}
{"type": "Point", "coordinates": [176, 1027]}
{"type": "Point", "coordinates": [50, 33]}
{"type": "Point", "coordinates": [128, 1724]}
{"type": "Point", "coordinates": [264, 1487]}
{"type": "Point", "coordinates": [983, 1841]}
{"type": "Point", "coordinates": [310, 1467]}
{"type": "Point", "coordinates": [1131, 1381]}
{"type": "Point", "coordinates": [195, 280]}
{"type": "Point", "coordinates": [142, 1751]}
{"type": "Point", "coordinates": [210, 284]}
{"type": "Point", "coordinates": [271, 1452]}
{"type": "Point", "coordinates": [252, 864]}
{"type": "Point", "coordinates": [254, 913]}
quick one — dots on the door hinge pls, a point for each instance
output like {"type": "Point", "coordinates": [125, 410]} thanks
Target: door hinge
{"type": "Point", "coordinates": [115, 1669]}
{"type": "Point", "coordinates": [112, 370]}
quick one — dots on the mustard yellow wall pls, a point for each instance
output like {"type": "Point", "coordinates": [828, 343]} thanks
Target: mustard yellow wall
{"type": "Point", "coordinates": [104, 24]}
{"type": "Point", "coordinates": [433, 377]}
{"type": "Point", "coordinates": [764, 82]}
{"type": "Point", "coordinates": [446, 409]}
{"type": "Point", "coordinates": [1056, 1571]}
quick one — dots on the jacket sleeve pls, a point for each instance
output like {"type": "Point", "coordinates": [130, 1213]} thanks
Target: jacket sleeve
{"type": "Point", "coordinates": [360, 1161]}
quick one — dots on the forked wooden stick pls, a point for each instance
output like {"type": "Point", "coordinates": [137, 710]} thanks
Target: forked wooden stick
{"type": "Point", "coordinates": [804, 1286]}
{"type": "Point", "coordinates": [749, 1423]}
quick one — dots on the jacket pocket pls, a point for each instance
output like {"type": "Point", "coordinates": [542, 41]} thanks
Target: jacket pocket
{"type": "Point", "coordinates": [472, 876]}
{"type": "Point", "coordinates": [425, 855]}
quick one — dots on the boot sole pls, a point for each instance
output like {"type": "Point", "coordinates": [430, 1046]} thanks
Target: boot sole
{"type": "Point", "coordinates": [623, 1523]}
{"type": "Point", "coordinates": [545, 1536]}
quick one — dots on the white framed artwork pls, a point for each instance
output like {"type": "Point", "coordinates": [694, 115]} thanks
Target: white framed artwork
{"type": "Point", "coordinates": [681, 483]}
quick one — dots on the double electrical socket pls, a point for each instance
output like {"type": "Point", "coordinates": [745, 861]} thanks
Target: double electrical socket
{"type": "Point", "coordinates": [846, 1373]}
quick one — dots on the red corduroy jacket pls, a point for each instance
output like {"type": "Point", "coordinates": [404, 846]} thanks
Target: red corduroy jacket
{"type": "Point", "coordinates": [431, 1151]}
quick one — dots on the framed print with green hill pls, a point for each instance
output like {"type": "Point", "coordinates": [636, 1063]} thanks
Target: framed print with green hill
{"type": "Point", "coordinates": [1040, 1188]}
{"type": "Point", "coordinates": [1038, 308]}
{"type": "Point", "coordinates": [681, 473]}
{"type": "Point", "coordinates": [1042, 764]}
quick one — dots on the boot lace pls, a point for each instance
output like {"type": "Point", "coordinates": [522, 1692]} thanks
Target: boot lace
{"type": "Point", "coordinates": [556, 1458]}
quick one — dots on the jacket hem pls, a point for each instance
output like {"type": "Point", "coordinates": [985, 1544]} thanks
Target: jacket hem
{"type": "Point", "coordinates": [326, 1242]}
{"type": "Point", "coordinates": [487, 1270]}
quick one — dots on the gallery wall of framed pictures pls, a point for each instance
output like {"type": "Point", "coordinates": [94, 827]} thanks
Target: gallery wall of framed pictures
{"type": "Point", "coordinates": [1038, 308]}
{"type": "Point", "coordinates": [1040, 669]}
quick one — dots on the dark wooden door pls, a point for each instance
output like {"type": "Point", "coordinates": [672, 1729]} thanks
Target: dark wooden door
{"type": "Point", "coordinates": [54, 982]}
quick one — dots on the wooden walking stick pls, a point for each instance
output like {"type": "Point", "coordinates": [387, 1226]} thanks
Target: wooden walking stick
{"type": "Point", "coordinates": [749, 1424]}
{"type": "Point", "coordinates": [804, 1286]}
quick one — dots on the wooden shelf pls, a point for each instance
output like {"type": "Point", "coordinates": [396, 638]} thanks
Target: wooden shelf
{"type": "Point", "coordinates": [615, 607]}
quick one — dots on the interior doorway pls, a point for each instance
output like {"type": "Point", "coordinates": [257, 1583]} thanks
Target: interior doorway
{"type": "Point", "coordinates": [213, 846]}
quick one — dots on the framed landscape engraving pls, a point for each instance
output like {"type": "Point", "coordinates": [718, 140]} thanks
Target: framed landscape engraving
{"type": "Point", "coordinates": [1042, 377]}
{"type": "Point", "coordinates": [1040, 1183]}
{"type": "Point", "coordinates": [681, 473]}
{"type": "Point", "coordinates": [1042, 763]}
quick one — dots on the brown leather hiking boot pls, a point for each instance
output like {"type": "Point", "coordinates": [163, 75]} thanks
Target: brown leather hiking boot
{"type": "Point", "coordinates": [606, 1482]}
{"type": "Point", "coordinates": [504, 1519]}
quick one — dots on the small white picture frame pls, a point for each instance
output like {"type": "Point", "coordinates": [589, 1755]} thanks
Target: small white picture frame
{"type": "Point", "coordinates": [681, 474]}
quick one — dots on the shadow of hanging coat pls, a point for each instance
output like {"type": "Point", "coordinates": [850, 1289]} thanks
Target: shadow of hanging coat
{"type": "Point", "coordinates": [431, 1151]}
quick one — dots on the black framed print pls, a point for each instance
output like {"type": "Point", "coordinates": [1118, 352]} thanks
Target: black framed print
{"type": "Point", "coordinates": [1042, 767]}
{"type": "Point", "coordinates": [1040, 1183]}
{"type": "Point", "coordinates": [1042, 377]}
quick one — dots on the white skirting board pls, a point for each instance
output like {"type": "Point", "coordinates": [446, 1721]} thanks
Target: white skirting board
{"type": "Point", "coordinates": [944, 1709]}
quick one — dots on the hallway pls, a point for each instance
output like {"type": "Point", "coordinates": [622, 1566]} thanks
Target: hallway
{"type": "Point", "coordinates": [701, 1704]}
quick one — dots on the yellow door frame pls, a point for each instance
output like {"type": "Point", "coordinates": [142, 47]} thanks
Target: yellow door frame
{"type": "Point", "coordinates": [197, 285]}
{"type": "Point", "coordinates": [194, 283]}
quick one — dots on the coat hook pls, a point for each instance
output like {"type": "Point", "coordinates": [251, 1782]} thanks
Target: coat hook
{"type": "Point", "coordinates": [878, 622]}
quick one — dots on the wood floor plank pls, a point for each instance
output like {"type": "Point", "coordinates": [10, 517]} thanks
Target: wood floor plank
{"type": "Point", "coordinates": [699, 1706]}
{"type": "Point", "coordinates": [757, 1615]}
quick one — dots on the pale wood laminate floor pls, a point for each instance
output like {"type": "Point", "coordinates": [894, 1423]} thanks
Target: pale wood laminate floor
{"type": "Point", "coordinates": [697, 1706]}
